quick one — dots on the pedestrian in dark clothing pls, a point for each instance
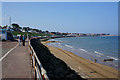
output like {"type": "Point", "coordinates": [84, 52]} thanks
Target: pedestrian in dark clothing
{"type": "Point", "coordinates": [23, 40]}
{"type": "Point", "coordinates": [21, 37]}
{"type": "Point", "coordinates": [19, 40]}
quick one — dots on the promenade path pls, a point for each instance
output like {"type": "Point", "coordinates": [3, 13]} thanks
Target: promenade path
{"type": "Point", "coordinates": [16, 64]}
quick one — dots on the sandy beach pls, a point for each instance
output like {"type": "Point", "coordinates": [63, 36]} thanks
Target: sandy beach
{"type": "Point", "coordinates": [85, 68]}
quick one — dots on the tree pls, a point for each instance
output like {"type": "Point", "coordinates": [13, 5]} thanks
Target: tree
{"type": "Point", "coordinates": [5, 27]}
{"type": "Point", "coordinates": [40, 31]}
{"type": "Point", "coordinates": [37, 30]}
{"type": "Point", "coordinates": [47, 31]}
{"type": "Point", "coordinates": [16, 27]}
{"type": "Point", "coordinates": [25, 28]}
{"type": "Point", "coordinates": [20, 28]}
{"type": "Point", "coordinates": [0, 27]}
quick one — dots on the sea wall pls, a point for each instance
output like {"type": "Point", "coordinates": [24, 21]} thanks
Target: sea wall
{"type": "Point", "coordinates": [56, 68]}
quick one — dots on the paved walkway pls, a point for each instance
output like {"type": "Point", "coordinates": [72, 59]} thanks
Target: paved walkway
{"type": "Point", "coordinates": [17, 63]}
{"type": "Point", "coordinates": [6, 46]}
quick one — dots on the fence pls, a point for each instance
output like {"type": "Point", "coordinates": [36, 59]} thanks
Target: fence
{"type": "Point", "coordinates": [39, 72]}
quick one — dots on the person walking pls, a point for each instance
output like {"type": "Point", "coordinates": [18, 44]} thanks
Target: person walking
{"type": "Point", "coordinates": [19, 40]}
{"type": "Point", "coordinates": [23, 40]}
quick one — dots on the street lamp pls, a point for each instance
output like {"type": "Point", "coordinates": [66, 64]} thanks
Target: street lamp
{"type": "Point", "coordinates": [27, 34]}
{"type": "Point", "coordinates": [9, 22]}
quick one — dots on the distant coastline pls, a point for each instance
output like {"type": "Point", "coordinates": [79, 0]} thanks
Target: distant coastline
{"type": "Point", "coordinates": [58, 34]}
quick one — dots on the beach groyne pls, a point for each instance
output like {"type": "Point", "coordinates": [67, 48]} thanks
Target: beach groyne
{"type": "Point", "coordinates": [56, 68]}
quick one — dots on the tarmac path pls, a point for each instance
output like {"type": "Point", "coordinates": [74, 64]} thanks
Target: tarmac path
{"type": "Point", "coordinates": [16, 64]}
{"type": "Point", "coordinates": [6, 46]}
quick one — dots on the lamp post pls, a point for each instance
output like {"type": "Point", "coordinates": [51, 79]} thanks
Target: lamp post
{"type": "Point", "coordinates": [27, 34]}
{"type": "Point", "coordinates": [9, 22]}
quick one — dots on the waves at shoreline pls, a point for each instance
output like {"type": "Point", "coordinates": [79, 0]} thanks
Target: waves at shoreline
{"type": "Point", "coordinates": [68, 46]}
{"type": "Point", "coordinates": [82, 52]}
{"type": "Point", "coordinates": [98, 54]}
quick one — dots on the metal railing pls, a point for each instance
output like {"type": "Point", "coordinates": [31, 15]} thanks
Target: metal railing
{"type": "Point", "coordinates": [39, 72]}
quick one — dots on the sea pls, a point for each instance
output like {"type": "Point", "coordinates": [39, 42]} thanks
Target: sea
{"type": "Point", "coordinates": [91, 48]}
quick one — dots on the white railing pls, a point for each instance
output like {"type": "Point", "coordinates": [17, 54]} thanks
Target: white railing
{"type": "Point", "coordinates": [39, 72]}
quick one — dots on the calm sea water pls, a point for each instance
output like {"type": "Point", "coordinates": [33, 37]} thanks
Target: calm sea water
{"type": "Point", "coordinates": [91, 48]}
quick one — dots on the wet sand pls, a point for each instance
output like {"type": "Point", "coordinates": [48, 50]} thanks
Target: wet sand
{"type": "Point", "coordinates": [84, 67]}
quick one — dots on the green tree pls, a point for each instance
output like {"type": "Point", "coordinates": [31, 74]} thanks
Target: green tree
{"type": "Point", "coordinates": [0, 27]}
{"type": "Point", "coordinates": [16, 27]}
{"type": "Point", "coordinates": [4, 27]}
{"type": "Point", "coordinates": [25, 28]}
{"type": "Point", "coordinates": [47, 31]}
{"type": "Point", "coordinates": [40, 31]}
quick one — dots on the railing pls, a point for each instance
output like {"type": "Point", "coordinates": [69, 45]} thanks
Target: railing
{"type": "Point", "coordinates": [39, 72]}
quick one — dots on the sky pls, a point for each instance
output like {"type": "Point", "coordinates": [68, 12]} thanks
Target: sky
{"type": "Point", "coordinates": [60, 0]}
{"type": "Point", "coordinates": [73, 17]}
